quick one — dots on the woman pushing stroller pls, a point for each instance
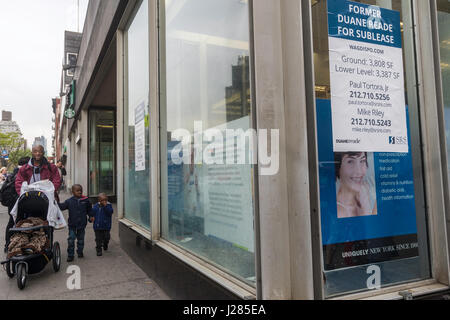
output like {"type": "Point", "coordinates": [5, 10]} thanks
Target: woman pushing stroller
{"type": "Point", "coordinates": [36, 215]}
{"type": "Point", "coordinates": [37, 169]}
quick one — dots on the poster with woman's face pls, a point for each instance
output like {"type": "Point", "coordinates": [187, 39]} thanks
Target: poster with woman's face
{"type": "Point", "coordinates": [367, 202]}
{"type": "Point", "coordinates": [355, 184]}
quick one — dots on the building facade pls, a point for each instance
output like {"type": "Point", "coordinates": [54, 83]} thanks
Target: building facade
{"type": "Point", "coordinates": [6, 115]}
{"type": "Point", "coordinates": [72, 42]}
{"type": "Point", "coordinates": [56, 141]}
{"type": "Point", "coordinates": [7, 125]}
{"type": "Point", "coordinates": [315, 212]}
{"type": "Point", "coordinates": [42, 141]}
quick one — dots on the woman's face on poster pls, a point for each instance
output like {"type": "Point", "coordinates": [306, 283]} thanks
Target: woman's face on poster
{"type": "Point", "coordinates": [353, 170]}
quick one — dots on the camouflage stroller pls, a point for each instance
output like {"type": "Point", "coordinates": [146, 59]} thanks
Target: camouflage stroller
{"type": "Point", "coordinates": [31, 258]}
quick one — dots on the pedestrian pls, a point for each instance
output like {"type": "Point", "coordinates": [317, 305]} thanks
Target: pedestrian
{"type": "Point", "coordinates": [102, 212]}
{"type": "Point", "coordinates": [79, 210]}
{"type": "Point", "coordinates": [3, 174]}
{"type": "Point", "coordinates": [22, 161]}
{"type": "Point", "coordinates": [9, 197]}
{"type": "Point", "coordinates": [37, 169]}
{"type": "Point", "coordinates": [62, 172]}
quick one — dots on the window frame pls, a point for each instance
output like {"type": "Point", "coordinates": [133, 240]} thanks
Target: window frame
{"type": "Point", "coordinates": [432, 177]}
{"type": "Point", "coordinates": [122, 118]}
{"type": "Point", "coordinates": [215, 273]}
{"type": "Point", "coordinates": [113, 109]}
{"type": "Point", "coordinates": [296, 274]}
{"type": "Point", "coordinates": [441, 106]}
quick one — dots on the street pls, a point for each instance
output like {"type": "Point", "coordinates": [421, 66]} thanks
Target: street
{"type": "Point", "coordinates": [111, 276]}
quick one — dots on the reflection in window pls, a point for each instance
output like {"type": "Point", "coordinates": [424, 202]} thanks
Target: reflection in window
{"type": "Point", "coordinates": [207, 208]}
{"type": "Point", "coordinates": [136, 126]}
{"type": "Point", "coordinates": [101, 154]}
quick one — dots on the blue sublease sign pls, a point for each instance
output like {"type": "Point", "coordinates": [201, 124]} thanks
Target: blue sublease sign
{"type": "Point", "coordinates": [365, 23]}
{"type": "Point", "coordinates": [367, 195]}
{"type": "Point", "coordinates": [366, 78]}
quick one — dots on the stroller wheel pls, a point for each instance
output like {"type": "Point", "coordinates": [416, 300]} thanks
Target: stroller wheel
{"type": "Point", "coordinates": [56, 257]}
{"type": "Point", "coordinates": [21, 275]}
{"type": "Point", "coordinates": [9, 269]}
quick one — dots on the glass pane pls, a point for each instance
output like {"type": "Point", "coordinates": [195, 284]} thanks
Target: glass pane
{"type": "Point", "coordinates": [371, 200]}
{"type": "Point", "coordinates": [207, 208]}
{"type": "Point", "coordinates": [101, 153]}
{"type": "Point", "coordinates": [136, 135]}
{"type": "Point", "coordinates": [444, 44]}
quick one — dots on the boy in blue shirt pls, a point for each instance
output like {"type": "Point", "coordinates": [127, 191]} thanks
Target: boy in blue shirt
{"type": "Point", "coordinates": [80, 208]}
{"type": "Point", "coordinates": [102, 212]}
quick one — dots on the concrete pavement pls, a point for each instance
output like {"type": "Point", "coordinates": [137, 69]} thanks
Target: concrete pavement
{"type": "Point", "coordinates": [111, 276]}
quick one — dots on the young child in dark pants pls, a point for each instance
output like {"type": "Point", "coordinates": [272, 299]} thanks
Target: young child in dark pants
{"type": "Point", "coordinates": [102, 212]}
{"type": "Point", "coordinates": [80, 208]}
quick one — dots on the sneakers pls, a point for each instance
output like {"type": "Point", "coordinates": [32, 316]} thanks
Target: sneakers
{"type": "Point", "coordinates": [80, 255]}
{"type": "Point", "coordinates": [105, 247]}
{"type": "Point", "coordinates": [99, 253]}
{"type": "Point", "coordinates": [69, 259]}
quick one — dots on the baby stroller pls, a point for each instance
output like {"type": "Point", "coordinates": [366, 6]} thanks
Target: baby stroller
{"type": "Point", "coordinates": [32, 204]}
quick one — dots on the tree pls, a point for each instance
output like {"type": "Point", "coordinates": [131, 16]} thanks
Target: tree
{"type": "Point", "coordinates": [15, 156]}
{"type": "Point", "coordinates": [13, 143]}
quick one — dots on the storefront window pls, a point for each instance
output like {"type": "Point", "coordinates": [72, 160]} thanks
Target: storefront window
{"type": "Point", "coordinates": [207, 206]}
{"type": "Point", "coordinates": [101, 152]}
{"type": "Point", "coordinates": [370, 169]}
{"type": "Point", "coordinates": [136, 126]}
{"type": "Point", "coordinates": [444, 44]}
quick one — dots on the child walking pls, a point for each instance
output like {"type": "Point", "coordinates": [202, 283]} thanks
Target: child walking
{"type": "Point", "coordinates": [80, 209]}
{"type": "Point", "coordinates": [102, 212]}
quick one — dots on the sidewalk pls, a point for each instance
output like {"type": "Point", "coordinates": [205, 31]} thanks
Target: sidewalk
{"type": "Point", "coordinates": [111, 276]}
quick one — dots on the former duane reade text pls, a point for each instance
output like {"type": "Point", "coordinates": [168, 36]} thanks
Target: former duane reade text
{"type": "Point", "coordinates": [374, 22]}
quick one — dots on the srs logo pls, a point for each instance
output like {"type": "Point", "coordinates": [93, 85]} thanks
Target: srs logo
{"type": "Point", "coordinates": [398, 140]}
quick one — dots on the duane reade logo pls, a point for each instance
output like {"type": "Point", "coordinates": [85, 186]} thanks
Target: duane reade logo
{"type": "Point", "coordinates": [348, 141]}
{"type": "Point", "coordinates": [227, 146]}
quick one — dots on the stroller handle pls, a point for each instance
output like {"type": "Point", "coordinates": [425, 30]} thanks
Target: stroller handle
{"type": "Point", "coordinates": [17, 230]}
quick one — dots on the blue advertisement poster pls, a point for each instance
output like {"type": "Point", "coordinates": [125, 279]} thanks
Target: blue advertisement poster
{"type": "Point", "coordinates": [366, 78]}
{"type": "Point", "coordinates": [367, 202]}
{"type": "Point", "coordinates": [367, 199]}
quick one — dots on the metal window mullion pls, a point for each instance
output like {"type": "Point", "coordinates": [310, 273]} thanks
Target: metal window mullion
{"type": "Point", "coordinates": [257, 236]}
{"type": "Point", "coordinates": [155, 207]}
{"type": "Point", "coordinates": [316, 233]}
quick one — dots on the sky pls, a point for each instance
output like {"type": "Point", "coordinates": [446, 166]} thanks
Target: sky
{"type": "Point", "coordinates": [31, 56]}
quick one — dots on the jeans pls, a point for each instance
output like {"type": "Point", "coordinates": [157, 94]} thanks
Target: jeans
{"type": "Point", "coordinates": [102, 238]}
{"type": "Point", "coordinates": [77, 234]}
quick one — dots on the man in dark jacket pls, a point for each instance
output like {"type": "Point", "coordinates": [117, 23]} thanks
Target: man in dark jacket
{"type": "Point", "coordinates": [37, 169]}
{"type": "Point", "coordinates": [102, 212]}
{"type": "Point", "coordinates": [80, 209]}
